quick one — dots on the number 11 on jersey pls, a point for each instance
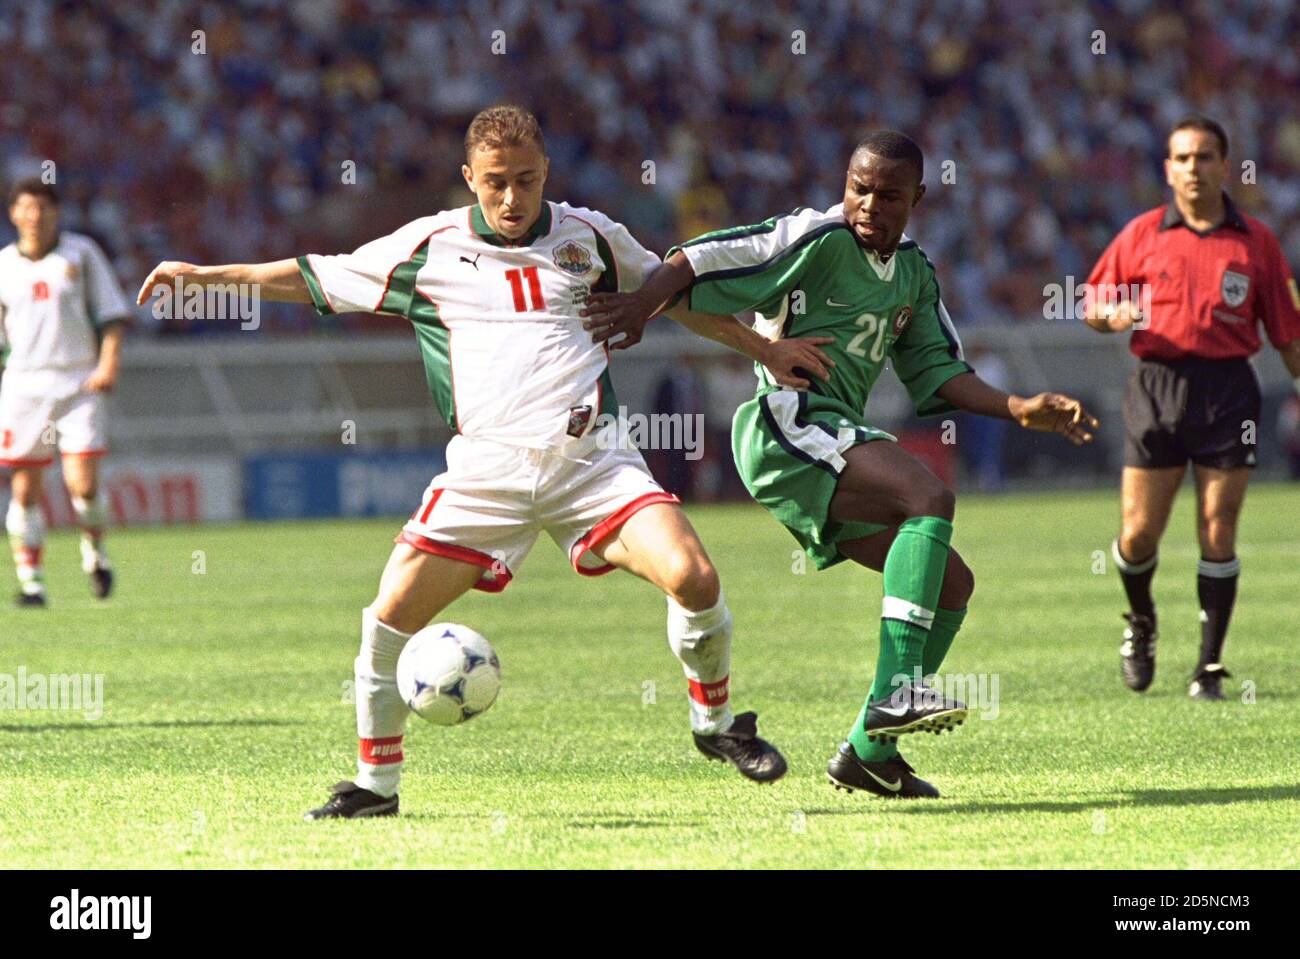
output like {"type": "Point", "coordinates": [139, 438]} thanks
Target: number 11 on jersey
{"type": "Point", "coordinates": [516, 280]}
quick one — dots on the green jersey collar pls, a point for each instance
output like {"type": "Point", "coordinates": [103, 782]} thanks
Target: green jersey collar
{"type": "Point", "coordinates": [541, 227]}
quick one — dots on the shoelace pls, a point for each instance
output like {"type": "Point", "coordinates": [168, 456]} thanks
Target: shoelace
{"type": "Point", "coordinates": [747, 739]}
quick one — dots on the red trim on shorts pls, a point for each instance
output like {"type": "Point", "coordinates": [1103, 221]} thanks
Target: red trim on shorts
{"type": "Point", "coordinates": [609, 526]}
{"type": "Point", "coordinates": [501, 575]}
{"type": "Point", "coordinates": [87, 454]}
{"type": "Point", "coordinates": [21, 463]}
{"type": "Point", "coordinates": [424, 516]}
{"type": "Point", "coordinates": [381, 752]}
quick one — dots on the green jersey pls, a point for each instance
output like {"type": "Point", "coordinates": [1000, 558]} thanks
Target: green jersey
{"type": "Point", "coordinates": [804, 274]}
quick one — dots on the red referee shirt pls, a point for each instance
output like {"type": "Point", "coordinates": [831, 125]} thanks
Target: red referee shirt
{"type": "Point", "coordinates": [1208, 291]}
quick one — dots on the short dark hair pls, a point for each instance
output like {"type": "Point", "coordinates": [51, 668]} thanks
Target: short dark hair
{"type": "Point", "coordinates": [33, 186]}
{"type": "Point", "coordinates": [501, 126]}
{"type": "Point", "coordinates": [1197, 121]}
{"type": "Point", "coordinates": [892, 145]}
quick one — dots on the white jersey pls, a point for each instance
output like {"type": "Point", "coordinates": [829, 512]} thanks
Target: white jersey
{"type": "Point", "coordinates": [504, 350]}
{"type": "Point", "coordinates": [51, 309]}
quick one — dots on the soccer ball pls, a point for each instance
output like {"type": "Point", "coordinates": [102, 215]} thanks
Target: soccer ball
{"type": "Point", "coordinates": [448, 673]}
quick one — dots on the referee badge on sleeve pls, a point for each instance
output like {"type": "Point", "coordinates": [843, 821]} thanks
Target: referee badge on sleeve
{"type": "Point", "coordinates": [1235, 288]}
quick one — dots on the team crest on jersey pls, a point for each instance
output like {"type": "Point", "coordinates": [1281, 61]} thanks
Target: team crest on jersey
{"type": "Point", "coordinates": [901, 320]}
{"type": "Point", "coordinates": [1235, 288]}
{"type": "Point", "coordinates": [579, 417]}
{"type": "Point", "coordinates": [71, 271]}
{"type": "Point", "coordinates": [572, 257]}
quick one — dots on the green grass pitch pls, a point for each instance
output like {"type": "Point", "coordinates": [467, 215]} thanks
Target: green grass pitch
{"type": "Point", "coordinates": [226, 711]}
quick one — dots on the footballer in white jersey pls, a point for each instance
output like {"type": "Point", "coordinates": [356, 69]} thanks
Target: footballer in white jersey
{"type": "Point", "coordinates": [494, 292]}
{"type": "Point", "coordinates": [62, 316]}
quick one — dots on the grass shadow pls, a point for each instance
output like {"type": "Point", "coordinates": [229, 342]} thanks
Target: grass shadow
{"type": "Point", "coordinates": [91, 725]}
{"type": "Point", "coordinates": [624, 822]}
{"type": "Point", "coordinates": [1125, 799]}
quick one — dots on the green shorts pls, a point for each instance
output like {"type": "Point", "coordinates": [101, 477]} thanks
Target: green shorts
{"type": "Point", "coordinates": [789, 448]}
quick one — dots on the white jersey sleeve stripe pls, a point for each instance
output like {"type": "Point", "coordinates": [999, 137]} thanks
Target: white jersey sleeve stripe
{"type": "Point", "coordinates": [752, 248]}
{"type": "Point", "coordinates": [950, 329]}
{"type": "Point", "coordinates": [411, 259]}
{"type": "Point", "coordinates": [360, 281]}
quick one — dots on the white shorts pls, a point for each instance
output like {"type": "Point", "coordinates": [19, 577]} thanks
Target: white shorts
{"type": "Point", "coordinates": [492, 502]}
{"type": "Point", "coordinates": [45, 411]}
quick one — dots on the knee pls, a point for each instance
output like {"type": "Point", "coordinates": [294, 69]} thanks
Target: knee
{"type": "Point", "coordinates": [1218, 535]}
{"type": "Point", "coordinates": [933, 499]}
{"type": "Point", "coordinates": [24, 497]}
{"type": "Point", "coordinates": [82, 489]}
{"type": "Point", "coordinates": [25, 488]}
{"type": "Point", "coordinates": [1137, 543]}
{"type": "Point", "coordinates": [691, 580]}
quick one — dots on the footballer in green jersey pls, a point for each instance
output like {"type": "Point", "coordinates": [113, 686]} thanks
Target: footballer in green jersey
{"type": "Point", "coordinates": [840, 295]}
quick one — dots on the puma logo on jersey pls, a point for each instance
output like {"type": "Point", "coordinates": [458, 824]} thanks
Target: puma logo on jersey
{"type": "Point", "coordinates": [473, 262]}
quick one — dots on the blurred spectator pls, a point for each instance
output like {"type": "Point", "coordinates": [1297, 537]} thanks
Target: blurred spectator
{"type": "Point", "coordinates": [1038, 145]}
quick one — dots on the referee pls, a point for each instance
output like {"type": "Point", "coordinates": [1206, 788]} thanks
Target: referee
{"type": "Point", "coordinates": [1193, 280]}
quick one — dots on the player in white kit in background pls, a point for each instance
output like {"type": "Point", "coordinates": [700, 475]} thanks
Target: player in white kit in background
{"type": "Point", "coordinates": [493, 291]}
{"type": "Point", "coordinates": [62, 318]}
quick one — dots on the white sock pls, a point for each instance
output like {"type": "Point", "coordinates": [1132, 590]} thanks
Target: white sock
{"type": "Point", "coordinates": [702, 642]}
{"type": "Point", "coordinates": [26, 529]}
{"type": "Point", "coordinates": [91, 519]}
{"type": "Point", "coordinates": [381, 713]}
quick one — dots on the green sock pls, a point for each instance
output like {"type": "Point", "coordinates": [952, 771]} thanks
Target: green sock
{"type": "Point", "coordinates": [913, 577]}
{"type": "Point", "coordinates": [946, 624]}
{"type": "Point", "coordinates": [942, 633]}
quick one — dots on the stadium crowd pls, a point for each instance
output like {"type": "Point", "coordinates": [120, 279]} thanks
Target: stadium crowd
{"type": "Point", "coordinates": [1039, 145]}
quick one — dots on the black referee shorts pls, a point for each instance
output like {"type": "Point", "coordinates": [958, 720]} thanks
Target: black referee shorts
{"type": "Point", "coordinates": [1206, 411]}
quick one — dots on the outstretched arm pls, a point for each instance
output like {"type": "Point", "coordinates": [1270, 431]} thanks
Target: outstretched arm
{"type": "Point", "coordinates": [1048, 412]}
{"type": "Point", "coordinates": [280, 280]}
{"type": "Point", "coordinates": [789, 361]}
{"type": "Point", "coordinates": [607, 315]}
{"type": "Point", "coordinates": [110, 360]}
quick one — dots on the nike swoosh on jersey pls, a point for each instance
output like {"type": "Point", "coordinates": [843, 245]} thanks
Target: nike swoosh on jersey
{"type": "Point", "coordinates": [892, 787]}
{"type": "Point", "coordinates": [830, 302]}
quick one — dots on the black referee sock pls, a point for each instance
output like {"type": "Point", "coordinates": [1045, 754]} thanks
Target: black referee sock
{"type": "Point", "coordinates": [1216, 587]}
{"type": "Point", "coordinates": [1137, 581]}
